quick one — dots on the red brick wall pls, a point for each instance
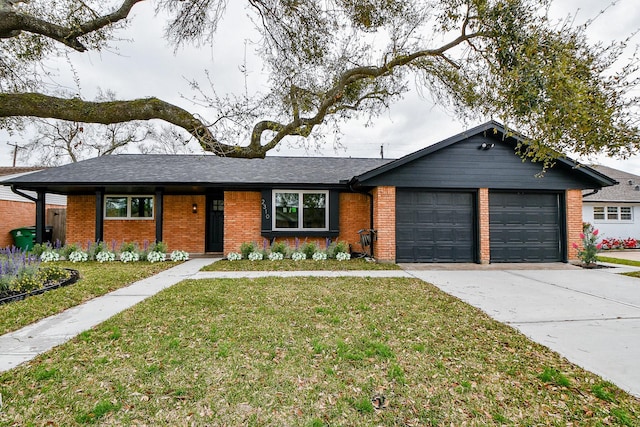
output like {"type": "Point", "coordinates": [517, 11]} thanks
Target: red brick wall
{"type": "Point", "coordinates": [354, 216]}
{"type": "Point", "coordinates": [181, 228]}
{"type": "Point", "coordinates": [81, 219]}
{"type": "Point", "coordinates": [384, 221]}
{"type": "Point", "coordinates": [15, 215]}
{"type": "Point", "coordinates": [483, 207]}
{"type": "Point", "coordinates": [242, 219]}
{"type": "Point", "coordinates": [574, 222]}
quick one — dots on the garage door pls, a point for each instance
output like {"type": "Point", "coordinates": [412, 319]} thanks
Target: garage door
{"type": "Point", "coordinates": [433, 226]}
{"type": "Point", "coordinates": [524, 227]}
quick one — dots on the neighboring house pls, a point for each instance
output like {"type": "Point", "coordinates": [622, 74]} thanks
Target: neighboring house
{"type": "Point", "coordinates": [614, 210]}
{"type": "Point", "coordinates": [17, 211]}
{"type": "Point", "coordinates": [469, 198]}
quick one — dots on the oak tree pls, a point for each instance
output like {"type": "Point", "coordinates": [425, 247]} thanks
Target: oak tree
{"type": "Point", "coordinates": [331, 60]}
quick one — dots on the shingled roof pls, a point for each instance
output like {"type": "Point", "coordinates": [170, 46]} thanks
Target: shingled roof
{"type": "Point", "coordinates": [627, 190]}
{"type": "Point", "coordinates": [194, 172]}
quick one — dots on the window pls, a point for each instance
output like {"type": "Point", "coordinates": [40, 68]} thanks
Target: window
{"type": "Point", "coordinates": [612, 213]}
{"type": "Point", "coordinates": [300, 210]}
{"type": "Point", "coordinates": [128, 207]}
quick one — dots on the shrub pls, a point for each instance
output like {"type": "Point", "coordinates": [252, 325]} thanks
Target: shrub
{"type": "Point", "coordinates": [589, 252]}
{"type": "Point", "coordinates": [234, 256]}
{"type": "Point", "coordinates": [78, 256]}
{"type": "Point", "coordinates": [49, 256]}
{"type": "Point", "coordinates": [53, 273]}
{"type": "Point", "coordinates": [298, 256]}
{"type": "Point", "coordinates": [276, 256]}
{"type": "Point", "coordinates": [279, 247]}
{"type": "Point", "coordinates": [343, 256]}
{"type": "Point", "coordinates": [69, 249]}
{"type": "Point", "coordinates": [105, 256]}
{"type": "Point", "coordinates": [309, 249]}
{"type": "Point", "coordinates": [178, 255]}
{"type": "Point", "coordinates": [158, 247]}
{"type": "Point", "coordinates": [255, 256]}
{"type": "Point", "coordinates": [319, 256]}
{"type": "Point", "coordinates": [247, 248]}
{"type": "Point", "coordinates": [129, 256]}
{"type": "Point", "coordinates": [155, 256]}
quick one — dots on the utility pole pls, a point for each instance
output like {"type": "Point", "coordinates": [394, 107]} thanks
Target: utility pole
{"type": "Point", "coordinates": [15, 151]}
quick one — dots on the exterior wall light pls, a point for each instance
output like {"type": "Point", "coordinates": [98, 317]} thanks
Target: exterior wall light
{"type": "Point", "coordinates": [486, 146]}
{"type": "Point", "coordinates": [194, 208]}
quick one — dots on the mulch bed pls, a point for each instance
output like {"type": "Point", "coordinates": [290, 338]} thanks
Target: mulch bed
{"type": "Point", "coordinates": [7, 297]}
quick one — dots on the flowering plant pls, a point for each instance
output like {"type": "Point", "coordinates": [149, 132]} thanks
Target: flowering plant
{"type": "Point", "coordinates": [234, 256]}
{"type": "Point", "coordinates": [319, 256]}
{"type": "Point", "coordinates": [78, 256]}
{"type": "Point", "coordinates": [255, 256]}
{"type": "Point", "coordinates": [49, 256]}
{"type": "Point", "coordinates": [129, 256]}
{"type": "Point", "coordinates": [298, 256]}
{"type": "Point", "coordinates": [343, 256]}
{"type": "Point", "coordinates": [589, 252]}
{"type": "Point", "coordinates": [155, 256]}
{"type": "Point", "coordinates": [105, 256]}
{"type": "Point", "coordinates": [179, 256]}
{"type": "Point", "coordinates": [276, 256]}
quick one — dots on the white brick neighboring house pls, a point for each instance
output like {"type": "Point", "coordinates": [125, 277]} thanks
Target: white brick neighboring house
{"type": "Point", "coordinates": [17, 211]}
{"type": "Point", "coordinates": [614, 210]}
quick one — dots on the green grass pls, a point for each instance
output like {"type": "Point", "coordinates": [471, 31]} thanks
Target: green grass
{"type": "Point", "coordinates": [307, 352]}
{"type": "Point", "coordinates": [305, 265]}
{"type": "Point", "coordinates": [96, 280]}
{"type": "Point", "coordinates": [619, 261]}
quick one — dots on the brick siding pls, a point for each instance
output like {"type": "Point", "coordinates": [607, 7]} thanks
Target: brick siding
{"type": "Point", "coordinates": [483, 208]}
{"type": "Point", "coordinates": [242, 219]}
{"type": "Point", "coordinates": [384, 221]}
{"type": "Point", "coordinates": [181, 228]}
{"type": "Point", "coordinates": [15, 215]}
{"type": "Point", "coordinates": [354, 216]}
{"type": "Point", "coordinates": [574, 222]}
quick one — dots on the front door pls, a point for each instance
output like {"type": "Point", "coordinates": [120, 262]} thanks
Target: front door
{"type": "Point", "coordinates": [215, 223]}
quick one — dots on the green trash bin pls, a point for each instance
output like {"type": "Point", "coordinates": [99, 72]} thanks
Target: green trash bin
{"type": "Point", "coordinates": [24, 237]}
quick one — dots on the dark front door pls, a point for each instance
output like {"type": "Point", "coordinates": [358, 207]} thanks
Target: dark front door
{"type": "Point", "coordinates": [215, 223]}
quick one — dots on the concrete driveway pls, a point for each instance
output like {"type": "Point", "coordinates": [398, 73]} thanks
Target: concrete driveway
{"type": "Point", "coordinates": [591, 317]}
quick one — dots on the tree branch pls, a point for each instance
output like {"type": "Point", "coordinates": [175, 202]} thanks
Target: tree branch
{"type": "Point", "coordinates": [78, 110]}
{"type": "Point", "coordinates": [12, 23]}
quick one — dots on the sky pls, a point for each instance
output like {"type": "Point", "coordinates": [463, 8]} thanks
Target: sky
{"type": "Point", "coordinates": [148, 66]}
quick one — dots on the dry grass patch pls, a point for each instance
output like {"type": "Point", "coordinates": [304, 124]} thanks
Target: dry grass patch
{"type": "Point", "coordinates": [307, 352]}
{"type": "Point", "coordinates": [95, 280]}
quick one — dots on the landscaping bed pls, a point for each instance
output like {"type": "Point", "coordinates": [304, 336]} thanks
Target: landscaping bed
{"type": "Point", "coordinates": [7, 296]}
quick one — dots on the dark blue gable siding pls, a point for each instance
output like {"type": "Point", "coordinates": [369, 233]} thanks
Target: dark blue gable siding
{"type": "Point", "coordinates": [464, 165]}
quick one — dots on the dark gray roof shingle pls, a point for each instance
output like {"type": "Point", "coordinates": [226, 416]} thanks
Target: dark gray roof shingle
{"type": "Point", "coordinates": [134, 169]}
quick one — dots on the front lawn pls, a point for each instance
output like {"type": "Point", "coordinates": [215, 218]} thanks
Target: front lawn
{"type": "Point", "coordinates": [95, 280]}
{"type": "Point", "coordinates": [303, 265]}
{"type": "Point", "coordinates": [619, 261]}
{"type": "Point", "coordinates": [307, 352]}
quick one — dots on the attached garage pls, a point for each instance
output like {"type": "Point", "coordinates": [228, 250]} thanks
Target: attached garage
{"type": "Point", "coordinates": [525, 227]}
{"type": "Point", "coordinates": [435, 226]}
{"type": "Point", "coordinates": [472, 198]}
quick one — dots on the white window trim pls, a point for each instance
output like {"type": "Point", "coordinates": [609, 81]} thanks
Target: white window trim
{"type": "Point", "coordinates": [129, 217]}
{"type": "Point", "coordinates": [300, 209]}
{"type": "Point", "coordinates": [619, 214]}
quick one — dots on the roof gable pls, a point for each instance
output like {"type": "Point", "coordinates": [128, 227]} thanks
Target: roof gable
{"type": "Point", "coordinates": [482, 157]}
